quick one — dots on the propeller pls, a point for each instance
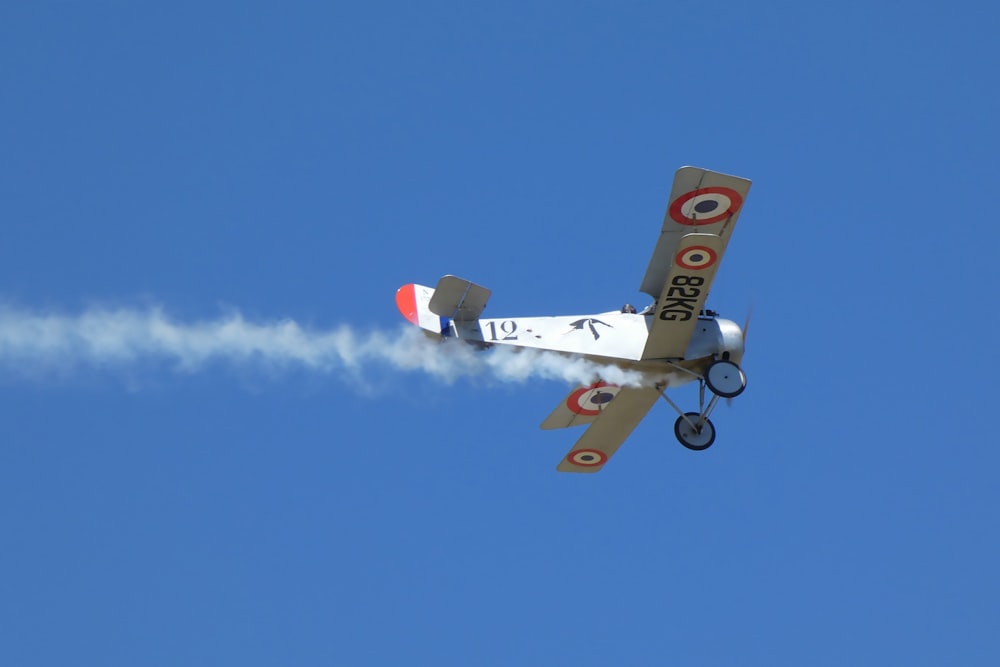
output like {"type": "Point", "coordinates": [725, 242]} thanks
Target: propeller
{"type": "Point", "coordinates": [746, 327]}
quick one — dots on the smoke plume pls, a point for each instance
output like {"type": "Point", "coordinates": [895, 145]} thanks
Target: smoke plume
{"type": "Point", "coordinates": [101, 338]}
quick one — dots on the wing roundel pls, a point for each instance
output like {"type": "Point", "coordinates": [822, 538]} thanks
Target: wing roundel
{"type": "Point", "coordinates": [582, 406]}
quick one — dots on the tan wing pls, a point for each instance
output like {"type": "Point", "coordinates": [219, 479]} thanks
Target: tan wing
{"type": "Point", "coordinates": [609, 430]}
{"type": "Point", "coordinates": [582, 406]}
{"type": "Point", "coordinates": [682, 296]}
{"type": "Point", "coordinates": [700, 201]}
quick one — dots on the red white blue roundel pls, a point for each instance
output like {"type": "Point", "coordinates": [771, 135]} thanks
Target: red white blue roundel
{"type": "Point", "coordinates": [587, 457]}
{"type": "Point", "coordinates": [705, 205]}
{"type": "Point", "coordinates": [696, 258]}
{"type": "Point", "coordinates": [591, 400]}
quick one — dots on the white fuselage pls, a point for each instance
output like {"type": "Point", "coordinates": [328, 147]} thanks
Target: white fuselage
{"type": "Point", "coordinates": [609, 338]}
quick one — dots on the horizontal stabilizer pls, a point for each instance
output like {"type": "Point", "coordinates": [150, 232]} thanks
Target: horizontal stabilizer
{"type": "Point", "coordinates": [459, 299]}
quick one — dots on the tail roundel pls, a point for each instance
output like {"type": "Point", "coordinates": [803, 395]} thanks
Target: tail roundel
{"type": "Point", "coordinates": [412, 302]}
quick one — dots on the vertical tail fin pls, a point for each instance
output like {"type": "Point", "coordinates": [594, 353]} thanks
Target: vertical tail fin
{"type": "Point", "coordinates": [412, 301]}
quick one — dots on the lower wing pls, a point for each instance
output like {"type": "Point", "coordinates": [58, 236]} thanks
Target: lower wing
{"type": "Point", "coordinates": [618, 415]}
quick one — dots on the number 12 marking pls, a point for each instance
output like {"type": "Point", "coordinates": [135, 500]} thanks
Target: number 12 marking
{"type": "Point", "coordinates": [507, 328]}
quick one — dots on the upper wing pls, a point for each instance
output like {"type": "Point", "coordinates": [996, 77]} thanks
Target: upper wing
{"type": "Point", "coordinates": [608, 430]}
{"type": "Point", "coordinates": [700, 201]}
{"type": "Point", "coordinates": [683, 296]}
{"type": "Point", "coordinates": [702, 213]}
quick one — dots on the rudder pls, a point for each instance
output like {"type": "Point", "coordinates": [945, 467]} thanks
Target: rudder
{"type": "Point", "coordinates": [412, 301]}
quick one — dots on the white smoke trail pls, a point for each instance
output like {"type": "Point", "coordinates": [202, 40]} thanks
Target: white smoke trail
{"type": "Point", "coordinates": [104, 338]}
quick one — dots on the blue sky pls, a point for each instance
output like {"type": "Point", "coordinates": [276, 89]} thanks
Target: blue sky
{"type": "Point", "coordinates": [302, 162]}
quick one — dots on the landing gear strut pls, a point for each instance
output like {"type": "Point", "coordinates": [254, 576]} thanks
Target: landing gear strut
{"type": "Point", "coordinates": [694, 430]}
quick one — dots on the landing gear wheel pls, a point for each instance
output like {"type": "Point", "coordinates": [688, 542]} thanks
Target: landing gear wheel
{"type": "Point", "coordinates": [725, 379]}
{"type": "Point", "coordinates": [692, 438]}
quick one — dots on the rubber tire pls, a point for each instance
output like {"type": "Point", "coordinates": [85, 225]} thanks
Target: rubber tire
{"type": "Point", "coordinates": [681, 426]}
{"type": "Point", "coordinates": [727, 368]}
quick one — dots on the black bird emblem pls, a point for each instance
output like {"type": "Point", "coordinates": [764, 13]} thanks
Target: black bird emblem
{"type": "Point", "coordinates": [590, 322]}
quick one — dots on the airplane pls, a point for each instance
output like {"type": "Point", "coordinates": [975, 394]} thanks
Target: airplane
{"type": "Point", "coordinates": [673, 341]}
